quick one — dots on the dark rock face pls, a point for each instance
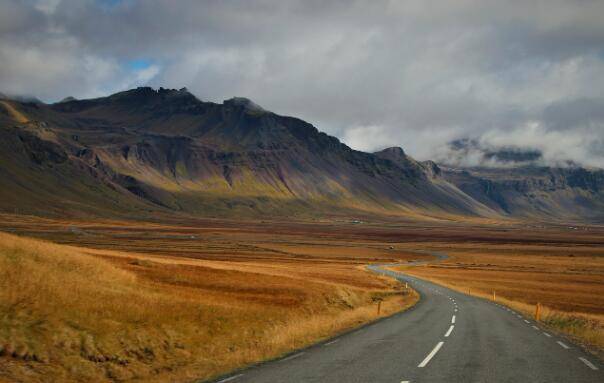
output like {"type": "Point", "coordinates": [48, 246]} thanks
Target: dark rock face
{"type": "Point", "coordinates": [41, 151]}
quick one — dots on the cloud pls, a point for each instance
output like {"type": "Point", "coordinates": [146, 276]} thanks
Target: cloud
{"type": "Point", "coordinates": [375, 74]}
{"type": "Point", "coordinates": [531, 143]}
{"type": "Point", "coordinates": [367, 138]}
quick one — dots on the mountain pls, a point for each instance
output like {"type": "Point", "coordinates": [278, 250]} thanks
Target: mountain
{"type": "Point", "coordinates": [536, 192]}
{"type": "Point", "coordinates": [515, 181]}
{"type": "Point", "coordinates": [147, 152]}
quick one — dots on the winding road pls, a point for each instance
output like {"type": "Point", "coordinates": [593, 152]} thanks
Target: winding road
{"type": "Point", "coordinates": [446, 337]}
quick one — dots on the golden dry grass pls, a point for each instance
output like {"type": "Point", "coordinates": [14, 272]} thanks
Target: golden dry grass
{"type": "Point", "coordinates": [74, 314]}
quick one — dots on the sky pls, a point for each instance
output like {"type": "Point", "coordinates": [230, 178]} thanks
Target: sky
{"type": "Point", "coordinates": [417, 74]}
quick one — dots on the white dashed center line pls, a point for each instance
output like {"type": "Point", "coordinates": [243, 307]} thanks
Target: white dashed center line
{"type": "Point", "coordinates": [431, 355]}
{"type": "Point", "coordinates": [332, 342]}
{"type": "Point", "coordinates": [229, 379]}
{"type": "Point", "coordinates": [527, 321]}
{"type": "Point", "coordinates": [588, 363]}
{"type": "Point", "coordinates": [293, 356]}
{"type": "Point", "coordinates": [547, 335]}
{"type": "Point", "coordinates": [449, 331]}
{"type": "Point", "coordinates": [563, 345]}
{"type": "Point", "coordinates": [453, 319]}
{"type": "Point", "coordinates": [536, 328]}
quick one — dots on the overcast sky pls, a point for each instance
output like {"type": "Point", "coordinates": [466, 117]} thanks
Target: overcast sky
{"type": "Point", "coordinates": [415, 74]}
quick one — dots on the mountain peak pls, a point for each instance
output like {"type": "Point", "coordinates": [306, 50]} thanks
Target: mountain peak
{"type": "Point", "coordinates": [395, 154]}
{"type": "Point", "coordinates": [245, 103]}
{"type": "Point", "coordinates": [143, 92]}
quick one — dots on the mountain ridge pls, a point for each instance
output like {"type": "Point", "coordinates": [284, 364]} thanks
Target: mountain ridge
{"type": "Point", "coordinates": [165, 150]}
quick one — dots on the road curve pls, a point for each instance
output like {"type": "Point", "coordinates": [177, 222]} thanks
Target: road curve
{"type": "Point", "coordinates": [446, 337]}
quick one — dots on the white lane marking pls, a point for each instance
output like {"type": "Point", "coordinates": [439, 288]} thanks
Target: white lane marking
{"type": "Point", "coordinates": [404, 381]}
{"type": "Point", "coordinates": [527, 321]}
{"type": "Point", "coordinates": [332, 342]}
{"type": "Point", "coordinates": [453, 319]}
{"type": "Point", "coordinates": [455, 310]}
{"type": "Point", "coordinates": [293, 356]}
{"type": "Point", "coordinates": [431, 355]}
{"type": "Point", "coordinates": [449, 331]}
{"type": "Point", "coordinates": [563, 345]}
{"type": "Point", "coordinates": [229, 379]}
{"type": "Point", "coordinates": [588, 363]}
{"type": "Point", "coordinates": [536, 328]}
{"type": "Point", "coordinates": [547, 335]}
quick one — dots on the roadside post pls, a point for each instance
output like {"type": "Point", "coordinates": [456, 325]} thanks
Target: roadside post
{"type": "Point", "coordinates": [538, 312]}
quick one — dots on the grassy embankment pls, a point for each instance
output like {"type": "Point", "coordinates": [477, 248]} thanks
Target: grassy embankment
{"type": "Point", "coordinates": [76, 314]}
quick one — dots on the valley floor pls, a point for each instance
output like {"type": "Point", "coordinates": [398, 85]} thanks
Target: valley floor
{"type": "Point", "coordinates": [188, 300]}
{"type": "Point", "coordinates": [144, 302]}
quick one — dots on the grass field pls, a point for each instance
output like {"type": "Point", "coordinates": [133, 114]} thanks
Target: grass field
{"type": "Point", "coordinates": [185, 300]}
{"type": "Point", "coordinates": [73, 313]}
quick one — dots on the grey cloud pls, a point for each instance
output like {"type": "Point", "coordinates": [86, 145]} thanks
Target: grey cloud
{"type": "Point", "coordinates": [569, 114]}
{"type": "Point", "coordinates": [377, 73]}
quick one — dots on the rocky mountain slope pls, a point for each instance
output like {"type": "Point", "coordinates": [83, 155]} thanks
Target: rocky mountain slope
{"type": "Point", "coordinates": [145, 151]}
{"type": "Point", "coordinates": [535, 192]}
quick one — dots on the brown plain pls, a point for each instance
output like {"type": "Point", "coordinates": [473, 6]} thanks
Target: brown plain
{"type": "Point", "coordinates": [186, 300]}
{"type": "Point", "coordinates": [145, 302]}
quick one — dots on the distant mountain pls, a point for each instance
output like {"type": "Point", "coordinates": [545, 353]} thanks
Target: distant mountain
{"type": "Point", "coordinates": [536, 192]}
{"type": "Point", "coordinates": [516, 182]}
{"type": "Point", "coordinates": [464, 152]}
{"type": "Point", "coordinates": [146, 152]}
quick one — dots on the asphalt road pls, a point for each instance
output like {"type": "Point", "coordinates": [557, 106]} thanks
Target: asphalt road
{"type": "Point", "coordinates": [446, 337]}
